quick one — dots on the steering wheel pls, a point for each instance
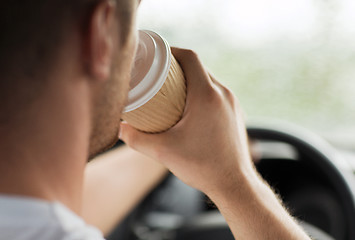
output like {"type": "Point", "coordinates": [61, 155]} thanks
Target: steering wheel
{"type": "Point", "coordinates": [317, 185]}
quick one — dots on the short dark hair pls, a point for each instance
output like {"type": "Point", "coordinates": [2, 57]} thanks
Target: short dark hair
{"type": "Point", "coordinates": [31, 31]}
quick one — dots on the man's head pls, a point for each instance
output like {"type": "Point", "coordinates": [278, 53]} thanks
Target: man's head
{"type": "Point", "coordinates": [39, 36]}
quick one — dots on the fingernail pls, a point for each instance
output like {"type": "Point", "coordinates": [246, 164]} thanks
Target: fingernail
{"type": "Point", "coordinates": [120, 134]}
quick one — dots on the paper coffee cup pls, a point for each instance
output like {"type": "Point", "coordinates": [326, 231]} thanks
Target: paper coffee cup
{"type": "Point", "coordinates": [157, 95]}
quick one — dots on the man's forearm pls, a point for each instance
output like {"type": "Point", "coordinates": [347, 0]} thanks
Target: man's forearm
{"type": "Point", "coordinates": [114, 183]}
{"type": "Point", "coordinates": [253, 211]}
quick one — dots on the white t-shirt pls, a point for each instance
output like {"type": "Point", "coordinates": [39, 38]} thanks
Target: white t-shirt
{"type": "Point", "coordinates": [32, 219]}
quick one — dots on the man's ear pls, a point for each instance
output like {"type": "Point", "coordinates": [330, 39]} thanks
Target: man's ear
{"type": "Point", "coordinates": [102, 34]}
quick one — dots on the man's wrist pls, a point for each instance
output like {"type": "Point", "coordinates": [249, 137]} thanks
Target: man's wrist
{"type": "Point", "coordinates": [253, 211]}
{"type": "Point", "coordinates": [238, 186]}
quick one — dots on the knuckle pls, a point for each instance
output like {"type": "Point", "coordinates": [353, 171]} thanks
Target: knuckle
{"type": "Point", "coordinates": [214, 96]}
{"type": "Point", "coordinates": [236, 104]}
{"type": "Point", "coordinates": [220, 95]}
{"type": "Point", "coordinates": [230, 96]}
{"type": "Point", "coordinates": [191, 54]}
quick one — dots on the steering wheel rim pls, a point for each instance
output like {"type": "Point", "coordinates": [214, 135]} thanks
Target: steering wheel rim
{"type": "Point", "coordinates": [323, 155]}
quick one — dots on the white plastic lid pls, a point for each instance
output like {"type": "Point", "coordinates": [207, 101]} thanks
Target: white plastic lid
{"type": "Point", "coordinates": [150, 70]}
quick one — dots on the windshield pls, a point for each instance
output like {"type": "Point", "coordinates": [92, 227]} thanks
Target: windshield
{"type": "Point", "coordinates": [284, 59]}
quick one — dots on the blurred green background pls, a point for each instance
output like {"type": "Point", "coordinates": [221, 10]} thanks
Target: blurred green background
{"type": "Point", "coordinates": [284, 59]}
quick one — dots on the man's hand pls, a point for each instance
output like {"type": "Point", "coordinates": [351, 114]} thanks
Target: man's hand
{"type": "Point", "coordinates": [209, 144]}
{"type": "Point", "coordinates": [208, 149]}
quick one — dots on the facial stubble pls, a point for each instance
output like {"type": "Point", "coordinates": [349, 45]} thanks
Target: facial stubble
{"type": "Point", "coordinates": [106, 121]}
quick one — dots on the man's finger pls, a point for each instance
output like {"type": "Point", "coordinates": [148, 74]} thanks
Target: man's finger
{"type": "Point", "coordinates": [196, 75]}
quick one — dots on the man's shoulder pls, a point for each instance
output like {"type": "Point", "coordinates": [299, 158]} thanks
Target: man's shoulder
{"type": "Point", "coordinates": [33, 219]}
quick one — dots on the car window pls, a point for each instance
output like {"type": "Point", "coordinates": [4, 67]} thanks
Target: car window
{"type": "Point", "coordinates": [284, 59]}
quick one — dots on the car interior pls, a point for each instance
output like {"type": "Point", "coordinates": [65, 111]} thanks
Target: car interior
{"type": "Point", "coordinates": [286, 60]}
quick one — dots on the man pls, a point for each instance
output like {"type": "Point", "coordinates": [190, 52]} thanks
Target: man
{"type": "Point", "coordinates": [65, 67]}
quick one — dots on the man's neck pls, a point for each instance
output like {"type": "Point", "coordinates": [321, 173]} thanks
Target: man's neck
{"type": "Point", "coordinates": [44, 154]}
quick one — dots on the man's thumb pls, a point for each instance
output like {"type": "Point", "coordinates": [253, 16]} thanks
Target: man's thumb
{"type": "Point", "coordinates": [140, 141]}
